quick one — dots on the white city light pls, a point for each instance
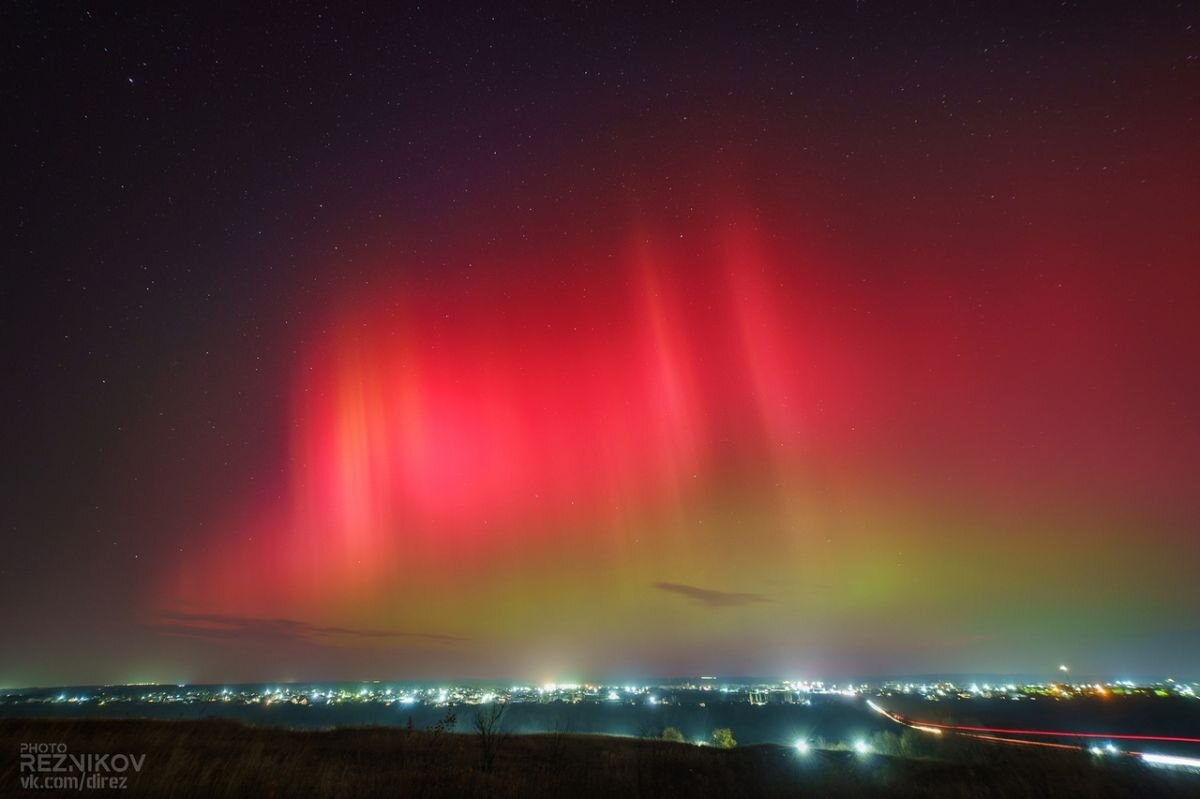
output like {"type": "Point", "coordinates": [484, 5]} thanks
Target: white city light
{"type": "Point", "coordinates": [802, 747]}
{"type": "Point", "coordinates": [861, 747]}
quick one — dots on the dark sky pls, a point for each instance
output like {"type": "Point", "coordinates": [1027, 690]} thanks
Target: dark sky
{"type": "Point", "coordinates": [583, 340]}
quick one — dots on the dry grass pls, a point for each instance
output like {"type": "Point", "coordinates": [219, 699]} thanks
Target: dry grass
{"type": "Point", "coordinates": [223, 758]}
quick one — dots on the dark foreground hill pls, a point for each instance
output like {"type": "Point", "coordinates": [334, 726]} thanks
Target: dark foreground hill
{"type": "Point", "coordinates": [221, 758]}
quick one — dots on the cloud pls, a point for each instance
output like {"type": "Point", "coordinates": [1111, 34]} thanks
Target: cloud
{"type": "Point", "coordinates": [709, 597]}
{"type": "Point", "coordinates": [213, 626]}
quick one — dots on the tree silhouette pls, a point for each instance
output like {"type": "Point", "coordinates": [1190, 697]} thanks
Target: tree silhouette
{"type": "Point", "coordinates": [488, 732]}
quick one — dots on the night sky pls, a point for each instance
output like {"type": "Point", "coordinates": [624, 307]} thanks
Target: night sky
{"type": "Point", "coordinates": [586, 341]}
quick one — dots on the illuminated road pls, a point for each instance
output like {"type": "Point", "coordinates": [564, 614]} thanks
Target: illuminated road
{"type": "Point", "coordinates": [994, 732]}
{"type": "Point", "coordinates": [1058, 733]}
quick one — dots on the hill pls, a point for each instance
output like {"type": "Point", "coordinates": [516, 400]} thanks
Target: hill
{"type": "Point", "coordinates": [215, 758]}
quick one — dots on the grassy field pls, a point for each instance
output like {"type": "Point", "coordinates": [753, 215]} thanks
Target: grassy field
{"type": "Point", "coordinates": [221, 758]}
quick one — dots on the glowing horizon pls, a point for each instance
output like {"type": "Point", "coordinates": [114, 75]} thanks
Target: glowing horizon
{"type": "Point", "coordinates": [844, 339]}
{"type": "Point", "coordinates": [703, 438]}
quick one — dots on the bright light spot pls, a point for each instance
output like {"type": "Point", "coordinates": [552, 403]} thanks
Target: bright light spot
{"type": "Point", "coordinates": [924, 728]}
{"type": "Point", "coordinates": [1097, 750]}
{"type": "Point", "coordinates": [613, 697]}
{"type": "Point", "coordinates": [1172, 760]}
{"type": "Point", "coordinates": [1063, 668]}
{"type": "Point", "coordinates": [802, 747]}
{"type": "Point", "coordinates": [861, 747]}
{"type": "Point", "coordinates": [1112, 750]}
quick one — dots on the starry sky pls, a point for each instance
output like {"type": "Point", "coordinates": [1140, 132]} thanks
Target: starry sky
{"type": "Point", "coordinates": [584, 341]}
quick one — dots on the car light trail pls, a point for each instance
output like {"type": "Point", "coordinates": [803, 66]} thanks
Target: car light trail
{"type": "Point", "coordinates": [937, 729]}
{"type": "Point", "coordinates": [883, 712]}
{"type": "Point", "coordinates": [1022, 742]}
{"type": "Point", "coordinates": [924, 728]}
{"type": "Point", "coordinates": [1171, 760]}
{"type": "Point", "coordinates": [1062, 733]}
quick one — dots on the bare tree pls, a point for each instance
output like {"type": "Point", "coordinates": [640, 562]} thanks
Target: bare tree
{"type": "Point", "coordinates": [488, 732]}
{"type": "Point", "coordinates": [438, 735]}
{"type": "Point", "coordinates": [558, 736]}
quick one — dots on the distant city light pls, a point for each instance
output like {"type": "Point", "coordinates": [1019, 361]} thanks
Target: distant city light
{"type": "Point", "coordinates": [682, 694]}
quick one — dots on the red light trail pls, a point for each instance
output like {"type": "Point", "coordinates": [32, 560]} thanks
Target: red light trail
{"type": "Point", "coordinates": [933, 727]}
{"type": "Point", "coordinates": [1061, 734]}
{"type": "Point", "coordinates": [1027, 743]}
